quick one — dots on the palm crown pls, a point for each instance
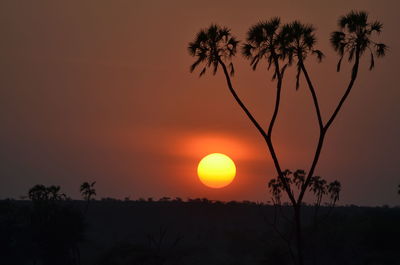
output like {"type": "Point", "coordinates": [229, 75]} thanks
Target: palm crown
{"type": "Point", "coordinates": [354, 37]}
{"type": "Point", "coordinates": [87, 190]}
{"type": "Point", "coordinates": [263, 41]}
{"type": "Point", "coordinates": [213, 46]}
{"type": "Point", "coordinates": [298, 40]}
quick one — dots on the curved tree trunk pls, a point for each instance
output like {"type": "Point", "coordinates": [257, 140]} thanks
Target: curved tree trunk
{"type": "Point", "coordinates": [325, 127]}
{"type": "Point", "coordinates": [261, 131]}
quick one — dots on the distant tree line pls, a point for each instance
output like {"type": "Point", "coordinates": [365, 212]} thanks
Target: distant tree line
{"type": "Point", "coordinates": [46, 231]}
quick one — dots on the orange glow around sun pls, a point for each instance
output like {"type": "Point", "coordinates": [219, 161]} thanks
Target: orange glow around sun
{"type": "Point", "coordinates": [216, 170]}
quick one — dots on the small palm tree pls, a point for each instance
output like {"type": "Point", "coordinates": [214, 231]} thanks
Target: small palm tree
{"type": "Point", "coordinates": [87, 190]}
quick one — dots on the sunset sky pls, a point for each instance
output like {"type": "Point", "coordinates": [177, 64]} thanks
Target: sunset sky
{"type": "Point", "coordinates": [101, 91]}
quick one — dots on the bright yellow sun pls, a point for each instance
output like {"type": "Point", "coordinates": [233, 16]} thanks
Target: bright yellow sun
{"type": "Point", "coordinates": [216, 170]}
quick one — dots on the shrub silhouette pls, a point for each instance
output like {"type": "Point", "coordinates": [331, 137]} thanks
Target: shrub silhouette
{"type": "Point", "coordinates": [56, 227]}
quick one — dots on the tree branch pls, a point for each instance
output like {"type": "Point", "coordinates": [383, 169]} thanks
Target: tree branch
{"type": "Point", "coordinates": [314, 95]}
{"type": "Point", "coordinates": [278, 97]}
{"type": "Point", "coordinates": [261, 131]}
{"type": "Point", "coordinates": [327, 126]}
{"type": "Point", "coordinates": [346, 94]}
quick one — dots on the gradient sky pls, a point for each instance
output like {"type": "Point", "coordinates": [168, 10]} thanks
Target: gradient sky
{"type": "Point", "coordinates": [101, 90]}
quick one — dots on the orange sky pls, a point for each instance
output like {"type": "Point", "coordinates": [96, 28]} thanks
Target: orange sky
{"type": "Point", "coordinates": [101, 90]}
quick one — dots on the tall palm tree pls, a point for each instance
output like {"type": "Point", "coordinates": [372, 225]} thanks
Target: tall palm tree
{"type": "Point", "coordinates": [268, 40]}
{"type": "Point", "coordinates": [354, 39]}
{"type": "Point", "coordinates": [298, 42]}
{"type": "Point", "coordinates": [263, 42]}
{"type": "Point", "coordinates": [215, 46]}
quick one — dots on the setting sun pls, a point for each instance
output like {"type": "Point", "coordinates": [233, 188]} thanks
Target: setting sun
{"type": "Point", "coordinates": [216, 170]}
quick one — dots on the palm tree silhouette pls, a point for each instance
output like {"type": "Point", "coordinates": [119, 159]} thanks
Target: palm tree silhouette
{"type": "Point", "coordinates": [298, 41]}
{"type": "Point", "coordinates": [215, 46]}
{"type": "Point", "coordinates": [264, 41]}
{"type": "Point", "coordinates": [87, 190]}
{"type": "Point", "coordinates": [354, 39]}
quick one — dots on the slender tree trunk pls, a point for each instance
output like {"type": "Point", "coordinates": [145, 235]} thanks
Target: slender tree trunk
{"type": "Point", "coordinates": [299, 235]}
{"type": "Point", "coordinates": [278, 97]}
{"type": "Point", "coordinates": [349, 87]}
{"type": "Point", "coordinates": [313, 165]}
{"type": "Point", "coordinates": [313, 94]}
{"type": "Point", "coordinates": [261, 130]}
{"type": "Point", "coordinates": [87, 206]}
{"type": "Point", "coordinates": [325, 128]}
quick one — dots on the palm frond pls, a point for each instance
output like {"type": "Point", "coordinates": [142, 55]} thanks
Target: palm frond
{"type": "Point", "coordinates": [215, 67]}
{"type": "Point", "coordinates": [380, 49]}
{"type": "Point", "coordinates": [372, 62]}
{"type": "Point", "coordinates": [320, 55]}
{"type": "Point", "coordinates": [232, 69]}
{"type": "Point", "coordinates": [247, 49]}
{"type": "Point", "coordinates": [195, 64]}
{"type": "Point", "coordinates": [376, 26]}
{"type": "Point", "coordinates": [274, 76]}
{"type": "Point", "coordinates": [351, 54]}
{"type": "Point", "coordinates": [298, 76]}
{"type": "Point", "coordinates": [337, 40]}
{"type": "Point", "coordinates": [203, 72]}
{"type": "Point", "coordinates": [284, 69]}
{"type": "Point", "coordinates": [255, 62]}
{"type": "Point", "coordinates": [339, 63]}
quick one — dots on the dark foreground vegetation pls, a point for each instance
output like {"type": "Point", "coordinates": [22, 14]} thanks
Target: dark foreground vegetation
{"type": "Point", "coordinates": [113, 232]}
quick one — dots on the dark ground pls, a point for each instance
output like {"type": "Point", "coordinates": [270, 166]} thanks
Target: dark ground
{"type": "Point", "coordinates": [198, 232]}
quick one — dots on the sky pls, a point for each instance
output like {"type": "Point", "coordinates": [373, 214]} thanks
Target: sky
{"type": "Point", "coordinates": [101, 91]}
